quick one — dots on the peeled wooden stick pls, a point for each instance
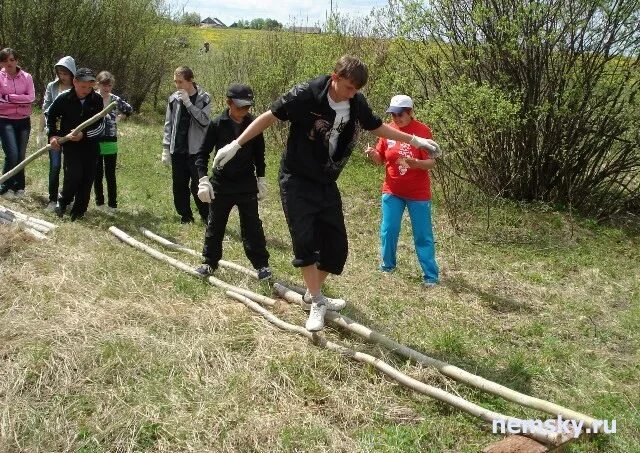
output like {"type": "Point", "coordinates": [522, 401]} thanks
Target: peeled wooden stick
{"type": "Point", "coordinates": [21, 221]}
{"type": "Point", "coordinates": [246, 297]}
{"type": "Point", "coordinates": [294, 296]}
{"type": "Point", "coordinates": [542, 435]}
{"type": "Point", "coordinates": [22, 216]}
{"type": "Point", "coordinates": [173, 246]}
{"type": "Point", "coordinates": [124, 237]}
{"type": "Point", "coordinates": [61, 140]}
{"type": "Point", "coordinates": [453, 372]}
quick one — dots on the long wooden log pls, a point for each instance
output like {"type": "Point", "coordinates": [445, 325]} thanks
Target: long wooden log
{"type": "Point", "coordinates": [451, 371]}
{"type": "Point", "coordinates": [61, 140]}
{"type": "Point", "coordinates": [227, 264]}
{"type": "Point", "coordinates": [294, 295]}
{"type": "Point", "coordinates": [542, 435]}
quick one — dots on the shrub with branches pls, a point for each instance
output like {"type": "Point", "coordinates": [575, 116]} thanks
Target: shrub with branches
{"type": "Point", "coordinates": [536, 99]}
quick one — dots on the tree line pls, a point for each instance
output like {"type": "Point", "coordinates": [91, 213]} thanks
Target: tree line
{"type": "Point", "coordinates": [132, 39]}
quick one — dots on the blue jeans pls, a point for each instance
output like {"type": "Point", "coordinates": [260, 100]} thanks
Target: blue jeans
{"type": "Point", "coordinates": [55, 164]}
{"type": "Point", "coordinates": [420, 214]}
{"type": "Point", "coordinates": [14, 136]}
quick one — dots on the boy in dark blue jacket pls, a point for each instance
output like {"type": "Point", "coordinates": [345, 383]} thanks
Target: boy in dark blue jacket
{"type": "Point", "coordinates": [70, 109]}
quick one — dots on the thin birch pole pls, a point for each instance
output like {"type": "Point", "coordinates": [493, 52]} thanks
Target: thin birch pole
{"type": "Point", "coordinates": [19, 221]}
{"type": "Point", "coordinates": [61, 140]}
{"type": "Point", "coordinates": [539, 434]}
{"type": "Point", "coordinates": [227, 264]}
{"type": "Point", "coordinates": [22, 216]}
{"type": "Point", "coordinates": [246, 297]}
{"type": "Point", "coordinates": [451, 371]}
{"type": "Point", "coordinates": [293, 295]}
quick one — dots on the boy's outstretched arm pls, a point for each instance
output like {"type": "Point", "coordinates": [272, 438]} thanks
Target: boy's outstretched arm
{"type": "Point", "coordinates": [386, 131]}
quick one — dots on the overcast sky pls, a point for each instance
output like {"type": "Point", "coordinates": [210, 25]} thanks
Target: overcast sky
{"type": "Point", "coordinates": [287, 12]}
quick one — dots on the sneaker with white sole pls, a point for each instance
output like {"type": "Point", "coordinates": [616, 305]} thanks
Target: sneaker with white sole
{"type": "Point", "coordinates": [332, 304]}
{"type": "Point", "coordinates": [19, 193]}
{"type": "Point", "coordinates": [51, 206]}
{"type": "Point", "coordinates": [315, 322]}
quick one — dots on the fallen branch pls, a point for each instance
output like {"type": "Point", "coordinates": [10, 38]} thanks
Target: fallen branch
{"type": "Point", "coordinates": [245, 297]}
{"type": "Point", "coordinates": [61, 140]}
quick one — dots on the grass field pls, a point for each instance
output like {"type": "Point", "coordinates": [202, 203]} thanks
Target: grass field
{"type": "Point", "coordinates": [105, 349]}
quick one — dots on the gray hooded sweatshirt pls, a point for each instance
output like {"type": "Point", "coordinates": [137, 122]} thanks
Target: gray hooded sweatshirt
{"type": "Point", "coordinates": [53, 88]}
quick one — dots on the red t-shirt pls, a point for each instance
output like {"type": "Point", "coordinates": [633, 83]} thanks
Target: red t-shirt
{"type": "Point", "coordinates": [411, 183]}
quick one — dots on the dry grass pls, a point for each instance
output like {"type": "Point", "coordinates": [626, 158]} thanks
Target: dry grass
{"type": "Point", "coordinates": [105, 349]}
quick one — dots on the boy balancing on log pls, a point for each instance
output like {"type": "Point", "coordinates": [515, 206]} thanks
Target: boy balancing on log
{"type": "Point", "coordinates": [322, 113]}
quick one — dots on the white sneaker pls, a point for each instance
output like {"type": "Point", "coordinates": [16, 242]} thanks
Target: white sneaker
{"type": "Point", "coordinates": [316, 316]}
{"type": "Point", "coordinates": [51, 206]}
{"type": "Point", "coordinates": [19, 193]}
{"type": "Point", "coordinates": [332, 304]}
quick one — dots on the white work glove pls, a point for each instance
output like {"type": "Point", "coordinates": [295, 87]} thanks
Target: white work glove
{"type": "Point", "coordinates": [262, 187]}
{"type": "Point", "coordinates": [205, 190]}
{"type": "Point", "coordinates": [166, 157]}
{"type": "Point", "coordinates": [225, 154]}
{"type": "Point", "coordinates": [428, 144]}
{"type": "Point", "coordinates": [184, 97]}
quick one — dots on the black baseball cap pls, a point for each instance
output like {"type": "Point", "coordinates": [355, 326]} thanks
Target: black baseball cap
{"type": "Point", "coordinates": [85, 75]}
{"type": "Point", "coordinates": [242, 95]}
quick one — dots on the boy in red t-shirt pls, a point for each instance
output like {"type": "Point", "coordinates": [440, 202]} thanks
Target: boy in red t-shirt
{"type": "Point", "coordinates": [406, 184]}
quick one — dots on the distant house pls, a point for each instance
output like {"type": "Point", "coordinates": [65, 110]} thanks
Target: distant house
{"type": "Point", "coordinates": [212, 23]}
{"type": "Point", "coordinates": [313, 30]}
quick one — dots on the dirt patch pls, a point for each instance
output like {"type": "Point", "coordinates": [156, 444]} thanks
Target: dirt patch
{"type": "Point", "coordinates": [12, 239]}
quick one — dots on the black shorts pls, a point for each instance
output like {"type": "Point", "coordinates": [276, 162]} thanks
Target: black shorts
{"type": "Point", "coordinates": [316, 223]}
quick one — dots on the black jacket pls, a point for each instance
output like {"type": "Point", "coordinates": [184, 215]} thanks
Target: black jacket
{"type": "Point", "coordinates": [311, 117]}
{"type": "Point", "coordinates": [66, 112]}
{"type": "Point", "coordinates": [239, 174]}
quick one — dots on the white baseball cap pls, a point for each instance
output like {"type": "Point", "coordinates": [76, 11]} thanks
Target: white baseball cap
{"type": "Point", "coordinates": [399, 103]}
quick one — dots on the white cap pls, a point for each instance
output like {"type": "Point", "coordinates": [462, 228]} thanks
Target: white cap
{"type": "Point", "coordinates": [399, 103]}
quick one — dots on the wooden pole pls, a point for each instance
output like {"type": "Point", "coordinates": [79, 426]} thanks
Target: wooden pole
{"type": "Point", "coordinates": [246, 297]}
{"type": "Point", "coordinates": [453, 372]}
{"type": "Point", "coordinates": [62, 140]}
{"type": "Point", "coordinates": [294, 296]}
{"type": "Point", "coordinates": [22, 216]}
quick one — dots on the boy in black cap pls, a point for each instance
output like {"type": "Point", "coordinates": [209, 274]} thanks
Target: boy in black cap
{"type": "Point", "coordinates": [72, 108]}
{"type": "Point", "coordinates": [235, 185]}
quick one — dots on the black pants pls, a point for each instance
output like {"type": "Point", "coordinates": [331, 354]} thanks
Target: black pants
{"type": "Point", "coordinates": [185, 182]}
{"type": "Point", "coordinates": [316, 223]}
{"type": "Point", "coordinates": [79, 173]}
{"type": "Point", "coordinates": [253, 240]}
{"type": "Point", "coordinates": [107, 168]}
